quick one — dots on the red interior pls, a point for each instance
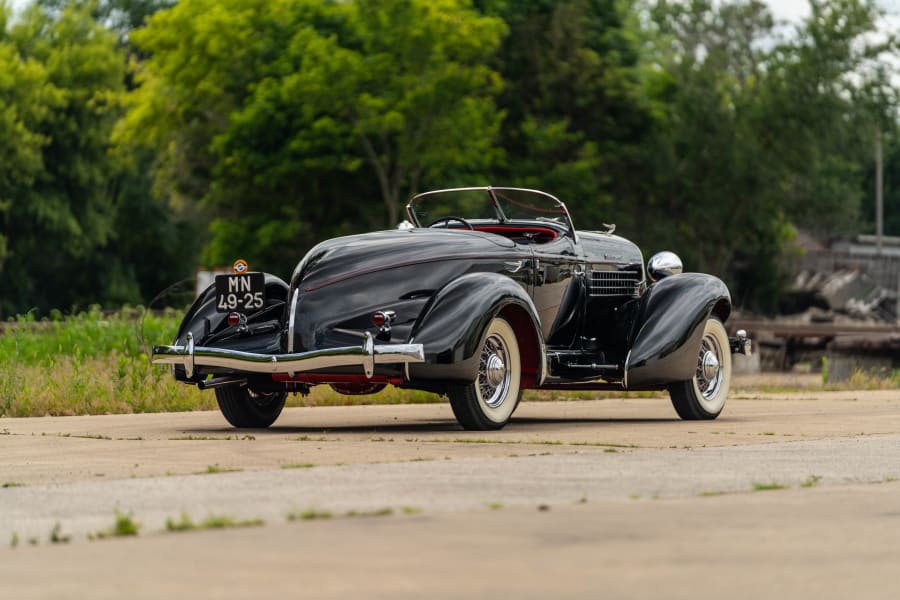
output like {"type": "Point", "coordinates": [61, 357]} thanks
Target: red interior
{"type": "Point", "coordinates": [540, 235]}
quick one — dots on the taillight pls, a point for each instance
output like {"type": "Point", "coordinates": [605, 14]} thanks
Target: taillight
{"type": "Point", "coordinates": [234, 319]}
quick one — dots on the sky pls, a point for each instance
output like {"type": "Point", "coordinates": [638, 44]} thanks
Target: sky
{"type": "Point", "coordinates": [791, 10]}
{"type": "Point", "coordinates": [794, 10]}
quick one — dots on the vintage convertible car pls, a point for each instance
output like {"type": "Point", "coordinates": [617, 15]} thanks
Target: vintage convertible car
{"type": "Point", "coordinates": [482, 293]}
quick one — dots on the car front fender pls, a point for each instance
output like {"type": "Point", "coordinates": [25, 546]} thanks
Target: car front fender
{"type": "Point", "coordinates": [451, 326]}
{"type": "Point", "coordinates": [670, 327]}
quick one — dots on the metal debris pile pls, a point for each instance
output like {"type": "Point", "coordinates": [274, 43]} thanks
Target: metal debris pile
{"type": "Point", "coordinates": [843, 292]}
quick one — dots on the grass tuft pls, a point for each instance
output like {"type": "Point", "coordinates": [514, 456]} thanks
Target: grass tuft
{"type": "Point", "coordinates": [774, 485]}
{"type": "Point", "coordinates": [185, 523]}
{"type": "Point", "coordinates": [380, 512]}
{"type": "Point", "coordinates": [310, 514]}
{"type": "Point", "coordinates": [811, 481]}
{"type": "Point", "coordinates": [217, 469]}
{"type": "Point", "coordinates": [226, 522]}
{"type": "Point", "coordinates": [57, 537]}
{"type": "Point", "coordinates": [123, 526]}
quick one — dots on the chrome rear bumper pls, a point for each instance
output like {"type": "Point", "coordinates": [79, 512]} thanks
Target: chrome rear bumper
{"type": "Point", "coordinates": [366, 356]}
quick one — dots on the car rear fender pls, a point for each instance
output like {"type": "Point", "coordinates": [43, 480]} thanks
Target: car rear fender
{"type": "Point", "coordinates": [451, 326]}
{"type": "Point", "coordinates": [205, 323]}
{"type": "Point", "coordinates": [670, 326]}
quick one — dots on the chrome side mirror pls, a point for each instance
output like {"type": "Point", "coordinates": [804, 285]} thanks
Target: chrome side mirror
{"type": "Point", "coordinates": [663, 264]}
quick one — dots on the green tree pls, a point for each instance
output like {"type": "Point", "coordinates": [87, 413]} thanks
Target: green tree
{"type": "Point", "coordinates": [26, 98]}
{"type": "Point", "coordinates": [423, 105]}
{"type": "Point", "coordinates": [578, 112]}
{"type": "Point", "coordinates": [260, 110]}
{"type": "Point", "coordinates": [762, 135]}
{"type": "Point", "coordinates": [66, 73]}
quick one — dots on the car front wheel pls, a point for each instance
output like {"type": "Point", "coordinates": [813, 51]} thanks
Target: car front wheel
{"type": "Point", "coordinates": [489, 400]}
{"type": "Point", "coordinates": [703, 396]}
{"type": "Point", "coordinates": [243, 407]}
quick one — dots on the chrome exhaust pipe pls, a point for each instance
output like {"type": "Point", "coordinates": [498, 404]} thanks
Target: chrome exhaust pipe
{"type": "Point", "coordinates": [221, 382]}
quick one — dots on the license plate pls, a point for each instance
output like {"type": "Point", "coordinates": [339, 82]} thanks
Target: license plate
{"type": "Point", "coordinates": [244, 293]}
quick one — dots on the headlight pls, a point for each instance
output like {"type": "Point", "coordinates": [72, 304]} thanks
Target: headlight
{"type": "Point", "coordinates": [663, 264]}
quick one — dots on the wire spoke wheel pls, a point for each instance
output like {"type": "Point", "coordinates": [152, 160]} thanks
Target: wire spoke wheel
{"type": "Point", "coordinates": [489, 401]}
{"type": "Point", "coordinates": [704, 395]}
{"type": "Point", "coordinates": [493, 375]}
{"type": "Point", "coordinates": [709, 367]}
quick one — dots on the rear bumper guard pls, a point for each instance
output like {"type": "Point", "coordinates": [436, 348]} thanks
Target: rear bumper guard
{"type": "Point", "coordinates": [365, 356]}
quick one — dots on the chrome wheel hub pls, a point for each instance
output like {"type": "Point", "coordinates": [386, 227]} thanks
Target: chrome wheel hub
{"type": "Point", "coordinates": [496, 370]}
{"type": "Point", "coordinates": [493, 376]}
{"type": "Point", "coordinates": [710, 366]}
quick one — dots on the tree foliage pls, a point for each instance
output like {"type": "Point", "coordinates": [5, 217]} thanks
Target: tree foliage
{"type": "Point", "coordinates": [764, 134]}
{"type": "Point", "coordinates": [61, 77]}
{"type": "Point", "coordinates": [139, 138]}
{"type": "Point", "coordinates": [578, 115]}
{"type": "Point", "coordinates": [283, 119]}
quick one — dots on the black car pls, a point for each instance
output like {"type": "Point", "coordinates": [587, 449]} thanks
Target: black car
{"type": "Point", "coordinates": [482, 293]}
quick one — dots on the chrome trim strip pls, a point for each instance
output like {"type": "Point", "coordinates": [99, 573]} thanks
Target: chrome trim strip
{"type": "Point", "coordinates": [369, 360]}
{"type": "Point", "coordinates": [189, 358]}
{"type": "Point", "coordinates": [291, 318]}
{"type": "Point", "coordinates": [366, 356]}
{"type": "Point", "coordinates": [625, 370]}
{"type": "Point", "coordinates": [544, 359]}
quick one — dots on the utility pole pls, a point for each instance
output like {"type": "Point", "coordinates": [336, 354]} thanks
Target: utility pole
{"type": "Point", "coordinates": [879, 192]}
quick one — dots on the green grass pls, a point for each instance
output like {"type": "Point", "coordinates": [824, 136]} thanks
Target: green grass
{"type": "Point", "coordinates": [212, 469]}
{"type": "Point", "coordinates": [96, 362]}
{"type": "Point", "coordinates": [811, 481]}
{"type": "Point", "coordinates": [185, 523]}
{"type": "Point", "coordinates": [90, 363]}
{"type": "Point", "coordinates": [380, 512]}
{"type": "Point", "coordinates": [761, 487]}
{"type": "Point", "coordinates": [100, 364]}
{"type": "Point", "coordinates": [865, 380]}
{"type": "Point", "coordinates": [310, 514]}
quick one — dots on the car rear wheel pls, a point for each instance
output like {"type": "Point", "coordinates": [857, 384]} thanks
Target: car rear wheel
{"type": "Point", "coordinates": [703, 396]}
{"type": "Point", "coordinates": [489, 400]}
{"type": "Point", "coordinates": [243, 407]}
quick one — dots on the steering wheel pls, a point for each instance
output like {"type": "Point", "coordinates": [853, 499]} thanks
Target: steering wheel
{"type": "Point", "coordinates": [448, 219]}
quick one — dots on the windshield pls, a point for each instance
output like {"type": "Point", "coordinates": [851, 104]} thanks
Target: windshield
{"type": "Point", "coordinates": [497, 205]}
